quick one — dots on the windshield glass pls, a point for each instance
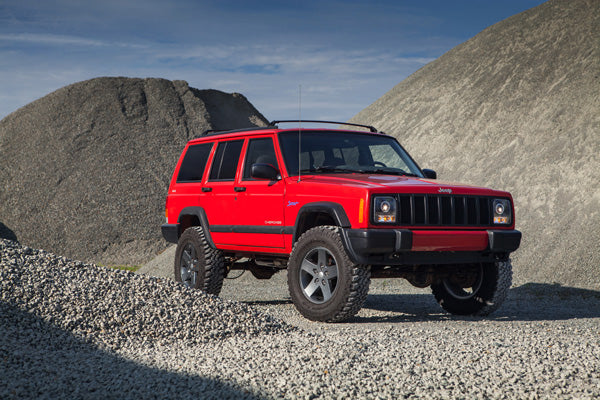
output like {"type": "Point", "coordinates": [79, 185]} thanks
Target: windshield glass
{"type": "Point", "coordinates": [343, 152]}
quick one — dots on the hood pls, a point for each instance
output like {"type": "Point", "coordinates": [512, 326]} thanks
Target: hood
{"type": "Point", "coordinates": [398, 184]}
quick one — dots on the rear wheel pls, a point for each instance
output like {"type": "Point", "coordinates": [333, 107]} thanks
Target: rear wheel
{"type": "Point", "coordinates": [325, 285]}
{"type": "Point", "coordinates": [477, 289]}
{"type": "Point", "coordinates": [197, 265]}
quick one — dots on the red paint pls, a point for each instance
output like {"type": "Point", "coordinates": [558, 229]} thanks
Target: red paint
{"type": "Point", "coordinates": [449, 241]}
{"type": "Point", "coordinates": [276, 204]}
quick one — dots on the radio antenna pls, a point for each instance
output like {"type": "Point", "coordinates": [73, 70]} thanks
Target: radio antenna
{"type": "Point", "coordinates": [299, 131]}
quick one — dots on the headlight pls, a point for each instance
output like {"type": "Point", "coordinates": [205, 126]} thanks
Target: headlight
{"type": "Point", "coordinates": [502, 212]}
{"type": "Point", "coordinates": [385, 206]}
{"type": "Point", "coordinates": [384, 211]}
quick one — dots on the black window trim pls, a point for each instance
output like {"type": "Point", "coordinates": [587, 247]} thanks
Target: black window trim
{"type": "Point", "coordinates": [247, 147]}
{"type": "Point", "coordinates": [205, 171]}
{"type": "Point", "coordinates": [219, 142]}
{"type": "Point", "coordinates": [303, 131]}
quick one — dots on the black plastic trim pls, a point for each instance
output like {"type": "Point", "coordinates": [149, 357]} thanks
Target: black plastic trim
{"type": "Point", "coordinates": [393, 247]}
{"type": "Point", "coordinates": [438, 258]}
{"type": "Point", "coordinates": [335, 210]}
{"type": "Point", "coordinates": [429, 173]}
{"type": "Point", "coordinates": [403, 239]}
{"type": "Point", "coordinates": [362, 244]}
{"type": "Point", "coordinates": [201, 214]}
{"type": "Point", "coordinates": [170, 232]}
{"type": "Point", "coordinates": [268, 230]}
{"type": "Point", "coordinates": [507, 241]}
{"type": "Point", "coordinates": [379, 240]}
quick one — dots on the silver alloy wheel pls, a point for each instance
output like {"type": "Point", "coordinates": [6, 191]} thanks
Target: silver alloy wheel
{"type": "Point", "coordinates": [188, 265]}
{"type": "Point", "coordinates": [459, 292]}
{"type": "Point", "coordinates": [318, 275]}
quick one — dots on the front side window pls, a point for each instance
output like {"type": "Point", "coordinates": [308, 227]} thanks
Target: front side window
{"type": "Point", "coordinates": [194, 163]}
{"type": "Point", "coordinates": [260, 151]}
{"type": "Point", "coordinates": [226, 160]}
{"type": "Point", "coordinates": [332, 151]}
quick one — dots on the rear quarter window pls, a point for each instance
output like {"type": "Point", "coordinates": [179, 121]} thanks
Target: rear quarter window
{"type": "Point", "coordinates": [194, 163]}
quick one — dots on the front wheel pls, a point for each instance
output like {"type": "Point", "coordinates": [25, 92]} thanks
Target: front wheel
{"type": "Point", "coordinates": [477, 289]}
{"type": "Point", "coordinates": [325, 285]}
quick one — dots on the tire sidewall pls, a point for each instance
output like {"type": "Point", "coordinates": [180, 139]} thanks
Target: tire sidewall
{"type": "Point", "coordinates": [328, 239]}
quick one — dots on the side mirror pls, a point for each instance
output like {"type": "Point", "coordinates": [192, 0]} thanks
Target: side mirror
{"type": "Point", "coordinates": [265, 171]}
{"type": "Point", "coordinates": [429, 173]}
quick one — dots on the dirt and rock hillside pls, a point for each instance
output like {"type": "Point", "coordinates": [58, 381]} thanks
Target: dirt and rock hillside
{"type": "Point", "coordinates": [517, 107]}
{"type": "Point", "coordinates": [84, 170]}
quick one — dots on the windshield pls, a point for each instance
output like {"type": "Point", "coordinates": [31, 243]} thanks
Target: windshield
{"type": "Point", "coordinates": [343, 152]}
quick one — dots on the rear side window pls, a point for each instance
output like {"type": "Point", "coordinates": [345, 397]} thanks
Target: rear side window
{"type": "Point", "coordinates": [194, 163]}
{"type": "Point", "coordinates": [226, 160]}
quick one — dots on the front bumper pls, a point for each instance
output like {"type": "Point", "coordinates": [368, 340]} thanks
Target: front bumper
{"type": "Point", "coordinates": [407, 247]}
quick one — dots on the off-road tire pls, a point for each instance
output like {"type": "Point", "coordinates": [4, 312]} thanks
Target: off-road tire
{"type": "Point", "coordinates": [207, 263]}
{"type": "Point", "coordinates": [490, 293]}
{"type": "Point", "coordinates": [350, 288]}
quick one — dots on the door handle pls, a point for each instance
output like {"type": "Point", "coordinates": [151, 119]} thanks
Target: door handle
{"type": "Point", "coordinates": [207, 189]}
{"type": "Point", "coordinates": [239, 188]}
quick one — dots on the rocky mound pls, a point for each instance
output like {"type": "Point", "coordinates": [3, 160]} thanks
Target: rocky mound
{"type": "Point", "coordinates": [517, 107]}
{"type": "Point", "coordinates": [84, 170]}
{"type": "Point", "coordinates": [112, 307]}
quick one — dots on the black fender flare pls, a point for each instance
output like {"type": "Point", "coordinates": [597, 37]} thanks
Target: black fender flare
{"type": "Point", "coordinates": [334, 210]}
{"type": "Point", "coordinates": [201, 214]}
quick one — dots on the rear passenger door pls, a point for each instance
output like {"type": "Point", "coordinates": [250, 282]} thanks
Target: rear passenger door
{"type": "Point", "coordinates": [260, 201]}
{"type": "Point", "coordinates": [219, 200]}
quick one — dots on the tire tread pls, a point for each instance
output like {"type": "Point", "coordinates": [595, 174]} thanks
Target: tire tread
{"type": "Point", "coordinates": [360, 275]}
{"type": "Point", "coordinates": [214, 266]}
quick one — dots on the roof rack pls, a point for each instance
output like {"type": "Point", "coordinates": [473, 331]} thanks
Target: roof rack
{"type": "Point", "coordinates": [211, 132]}
{"type": "Point", "coordinates": [369, 127]}
{"type": "Point", "coordinates": [273, 124]}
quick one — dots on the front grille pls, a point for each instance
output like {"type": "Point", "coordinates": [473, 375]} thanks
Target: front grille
{"type": "Point", "coordinates": [444, 210]}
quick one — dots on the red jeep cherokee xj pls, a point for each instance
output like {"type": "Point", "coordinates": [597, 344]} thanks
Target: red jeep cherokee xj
{"type": "Point", "coordinates": [336, 208]}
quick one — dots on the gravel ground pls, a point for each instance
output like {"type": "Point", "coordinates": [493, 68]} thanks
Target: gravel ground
{"type": "Point", "coordinates": [74, 330]}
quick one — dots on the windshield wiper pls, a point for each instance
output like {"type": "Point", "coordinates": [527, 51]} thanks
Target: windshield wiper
{"type": "Point", "coordinates": [391, 171]}
{"type": "Point", "coordinates": [383, 171]}
{"type": "Point", "coordinates": [325, 168]}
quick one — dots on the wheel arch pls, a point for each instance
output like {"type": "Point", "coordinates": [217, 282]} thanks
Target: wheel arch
{"type": "Point", "coordinates": [195, 216]}
{"type": "Point", "coordinates": [320, 213]}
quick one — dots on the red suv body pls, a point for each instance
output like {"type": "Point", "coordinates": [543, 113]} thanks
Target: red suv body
{"type": "Point", "coordinates": [353, 201]}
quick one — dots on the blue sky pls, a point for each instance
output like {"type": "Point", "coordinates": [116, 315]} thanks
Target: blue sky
{"type": "Point", "coordinates": [344, 54]}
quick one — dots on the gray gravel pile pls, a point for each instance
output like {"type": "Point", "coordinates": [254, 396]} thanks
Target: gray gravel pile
{"type": "Point", "coordinates": [84, 170]}
{"type": "Point", "coordinates": [74, 330]}
{"type": "Point", "coordinates": [516, 108]}
{"type": "Point", "coordinates": [113, 307]}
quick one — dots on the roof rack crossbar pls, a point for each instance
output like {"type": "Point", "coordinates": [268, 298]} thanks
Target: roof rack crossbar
{"type": "Point", "coordinates": [369, 127]}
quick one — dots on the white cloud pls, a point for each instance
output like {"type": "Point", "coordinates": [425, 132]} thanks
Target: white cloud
{"type": "Point", "coordinates": [300, 59]}
{"type": "Point", "coordinates": [61, 40]}
{"type": "Point", "coordinates": [336, 84]}
{"type": "Point", "coordinates": [345, 54]}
